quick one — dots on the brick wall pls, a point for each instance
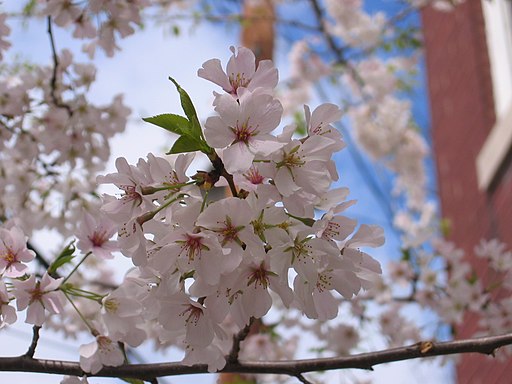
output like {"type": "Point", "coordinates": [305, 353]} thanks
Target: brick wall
{"type": "Point", "coordinates": [462, 111]}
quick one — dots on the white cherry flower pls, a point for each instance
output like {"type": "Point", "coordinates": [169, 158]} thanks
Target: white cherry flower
{"type": "Point", "coordinates": [180, 313]}
{"type": "Point", "coordinates": [101, 352]}
{"type": "Point", "coordinates": [7, 312]}
{"type": "Point", "coordinates": [240, 72]}
{"type": "Point", "coordinates": [243, 128]}
{"type": "Point", "coordinates": [94, 235]}
{"type": "Point", "coordinates": [38, 297]}
{"type": "Point", "coordinates": [14, 252]}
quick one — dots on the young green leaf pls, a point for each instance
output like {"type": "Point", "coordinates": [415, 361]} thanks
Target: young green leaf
{"type": "Point", "coordinates": [190, 111]}
{"type": "Point", "coordinates": [173, 123]}
{"type": "Point", "coordinates": [185, 144]}
{"type": "Point", "coordinates": [63, 258]}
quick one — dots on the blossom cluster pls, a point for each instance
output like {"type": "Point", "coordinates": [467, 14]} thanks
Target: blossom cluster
{"type": "Point", "coordinates": [208, 262]}
{"type": "Point", "coordinates": [54, 141]}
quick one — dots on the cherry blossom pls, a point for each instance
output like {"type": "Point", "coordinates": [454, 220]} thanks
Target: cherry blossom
{"type": "Point", "coordinates": [94, 236]}
{"type": "Point", "coordinates": [244, 126]}
{"type": "Point", "coordinates": [14, 252]}
{"type": "Point", "coordinates": [38, 297]}
{"type": "Point", "coordinates": [101, 352]}
{"type": "Point", "coordinates": [241, 72]}
{"type": "Point", "coordinates": [7, 312]}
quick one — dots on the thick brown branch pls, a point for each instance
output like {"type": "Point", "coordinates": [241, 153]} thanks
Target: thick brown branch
{"type": "Point", "coordinates": [485, 345]}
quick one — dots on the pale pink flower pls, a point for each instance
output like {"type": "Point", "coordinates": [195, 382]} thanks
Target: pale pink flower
{"type": "Point", "coordinates": [7, 313]}
{"type": "Point", "coordinates": [94, 235]}
{"type": "Point", "coordinates": [230, 220]}
{"type": "Point", "coordinates": [320, 123]}
{"type": "Point", "coordinates": [63, 12]}
{"type": "Point", "coordinates": [334, 228]}
{"type": "Point", "coordinates": [38, 297]}
{"type": "Point", "coordinates": [315, 297]}
{"type": "Point", "coordinates": [254, 281]}
{"type": "Point", "coordinates": [240, 72]}
{"type": "Point", "coordinates": [132, 242]}
{"type": "Point", "coordinates": [84, 28]}
{"type": "Point", "coordinates": [244, 126]}
{"type": "Point", "coordinates": [211, 355]}
{"type": "Point", "coordinates": [179, 312]}
{"type": "Point", "coordinates": [342, 338]}
{"type": "Point", "coordinates": [187, 251]}
{"type": "Point", "coordinates": [496, 252]}
{"type": "Point", "coordinates": [302, 253]}
{"type": "Point", "coordinates": [121, 315]}
{"type": "Point", "coordinates": [303, 166]}
{"type": "Point", "coordinates": [102, 352]}
{"type": "Point", "coordinates": [130, 179]}
{"type": "Point", "coordinates": [14, 252]}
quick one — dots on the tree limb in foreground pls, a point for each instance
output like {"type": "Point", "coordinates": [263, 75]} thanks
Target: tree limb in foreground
{"type": "Point", "coordinates": [295, 368]}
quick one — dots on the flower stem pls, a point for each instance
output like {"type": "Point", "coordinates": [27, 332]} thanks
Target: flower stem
{"type": "Point", "coordinates": [86, 322]}
{"type": "Point", "coordinates": [76, 267]}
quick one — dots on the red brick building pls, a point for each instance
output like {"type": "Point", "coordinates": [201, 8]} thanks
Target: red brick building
{"type": "Point", "coordinates": [469, 70]}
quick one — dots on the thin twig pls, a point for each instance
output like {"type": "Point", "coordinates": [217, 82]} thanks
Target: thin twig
{"type": "Point", "coordinates": [35, 338]}
{"type": "Point", "coordinates": [39, 257]}
{"type": "Point", "coordinates": [53, 81]}
{"type": "Point", "coordinates": [302, 379]}
{"type": "Point", "coordinates": [485, 345]}
{"type": "Point", "coordinates": [237, 340]}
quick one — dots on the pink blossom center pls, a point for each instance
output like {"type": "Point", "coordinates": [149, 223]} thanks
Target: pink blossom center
{"type": "Point", "coordinates": [259, 276]}
{"type": "Point", "coordinates": [253, 176]}
{"type": "Point", "coordinates": [131, 194]}
{"type": "Point", "coordinates": [332, 230]}
{"type": "Point", "coordinates": [98, 238]}
{"type": "Point", "coordinates": [192, 314]}
{"type": "Point", "coordinates": [229, 232]}
{"type": "Point", "coordinates": [324, 282]}
{"type": "Point", "coordinates": [237, 81]}
{"type": "Point", "coordinates": [243, 132]}
{"type": "Point", "coordinates": [291, 159]}
{"type": "Point", "coordinates": [192, 245]}
{"type": "Point", "coordinates": [9, 256]}
{"type": "Point", "coordinates": [111, 305]}
{"type": "Point", "coordinates": [36, 294]}
{"type": "Point", "coordinates": [104, 344]}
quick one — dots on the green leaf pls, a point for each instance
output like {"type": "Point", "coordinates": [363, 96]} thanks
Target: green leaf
{"type": "Point", "coordinates": [300, 124]}
{"type": "Point", "coordinates": [63, 258]}
{"type": "Point", "coordinates": [29, 8]}
{"type": "Point", "coordinates": [406, 254]}
{"type": "Point", "coordinates": [170, 122]}
{"type": "Point", "coordinates": [445, 226]}
{"type": "Point", "coordinates": [185, 144]}
{"type": "Point", "coordinates": [190, 111]}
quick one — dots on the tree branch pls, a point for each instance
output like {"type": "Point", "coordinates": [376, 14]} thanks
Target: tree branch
{"type": "Point", "coordinates": [53, 81]}
{"type": "Point", "coordinates": [35, 338]}
{"type": "Point", "coordinates": [295, 368]}
{"type": "Point", "coordinates": [237, 339]}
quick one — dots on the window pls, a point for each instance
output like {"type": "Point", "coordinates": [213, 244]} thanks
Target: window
{"type": "Point", "coordinates": [498, 23]}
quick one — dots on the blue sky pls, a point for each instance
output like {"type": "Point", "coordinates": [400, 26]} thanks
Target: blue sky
{"type": "Point", "coordinates": [140, 71]}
